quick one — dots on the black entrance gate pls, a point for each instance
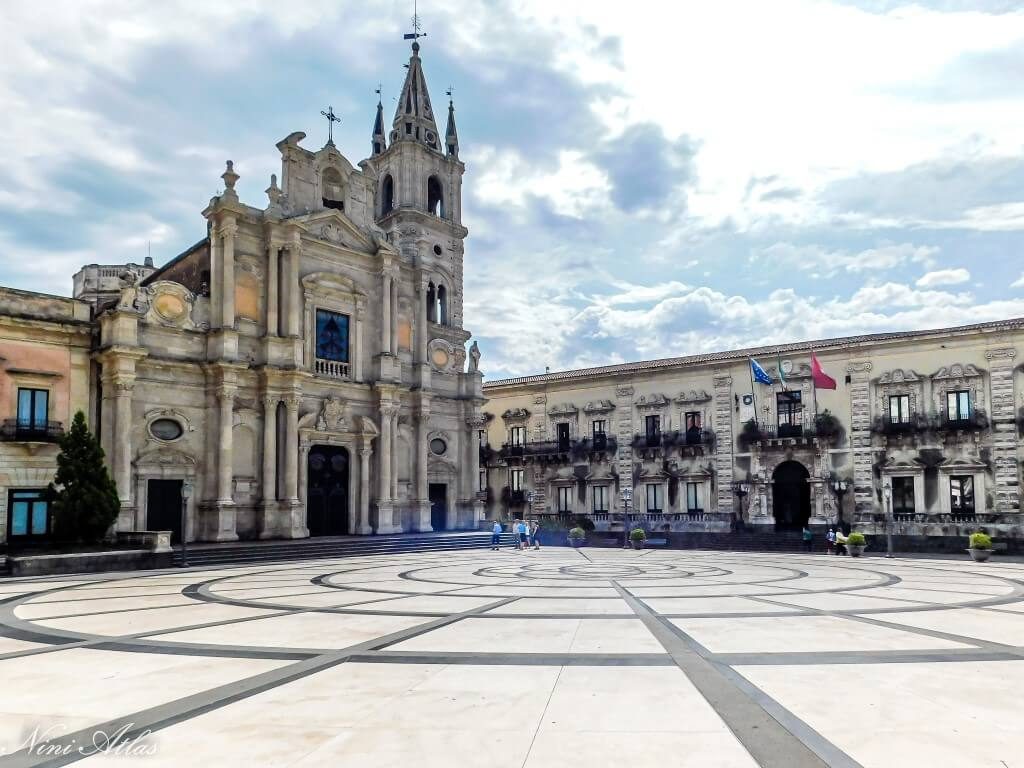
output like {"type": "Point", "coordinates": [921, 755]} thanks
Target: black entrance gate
{"type": "Point", "coordinates": [438, 506]}
{"type": "Point", "coordinates": [163, 507]}
{"type": "Point", "coordinates": [327, 491]}
{"type": "Point", "coordinates": [791, 496]}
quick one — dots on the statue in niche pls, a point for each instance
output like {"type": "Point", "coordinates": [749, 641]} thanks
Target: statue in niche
{"type": "Point", "coordinates": [474, 357]}
{"type": "Point", "coordinates": [130, 298]}
{"type": "Point", "coordinates": [332, 415]}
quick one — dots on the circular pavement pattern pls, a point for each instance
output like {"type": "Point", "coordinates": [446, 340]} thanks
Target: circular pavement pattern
{"type": "Point", "coordinates": [742, 627]}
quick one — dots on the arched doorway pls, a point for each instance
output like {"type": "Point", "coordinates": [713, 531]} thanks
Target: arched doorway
{"type": "Point", "coordinates": [327, 509]}
{"type": "Point", "coordinates": [791, 496]}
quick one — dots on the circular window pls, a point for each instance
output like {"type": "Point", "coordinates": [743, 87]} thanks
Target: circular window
{"type": "Point", "coordinates": [437, 250]}
{"type": "Point", "coordinates": [166, 429]}
{"type": "Point", "coordinates": [438, 446]}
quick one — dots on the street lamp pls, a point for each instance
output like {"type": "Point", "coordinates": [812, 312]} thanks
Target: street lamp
{"type": "Point", "coordinates": [741, 489]}
{"type": "Point", "coordinates": [840, 487]}
{"type": "Point", "coordinates": [186, 494]}
{"type": "Point", "coordinates": [627, 497]}
{"type": "Point", "coordinates": [887, 493]}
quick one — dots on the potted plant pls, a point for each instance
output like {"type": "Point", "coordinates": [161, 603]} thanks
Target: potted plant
{"type": "Point", "coordinates": [981, 546]}
{"type": "Point", "coordinates": [856, 544]}
{"type": "Point", "coordinates": [637, 537]}
{"type": "Point", "coordinates": [577, 536]}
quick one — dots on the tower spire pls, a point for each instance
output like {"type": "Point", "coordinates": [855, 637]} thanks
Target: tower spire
{"type": "Point", "coordinates": [379, 140]}
{"type": "Point", "coordinates": [451, 135]}
{"type": "Point", "coordinates": [414, 117]}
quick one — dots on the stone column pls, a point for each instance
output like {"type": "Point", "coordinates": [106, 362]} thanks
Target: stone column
{"type": "Point", "coordinates": [226, 402]}
{"type": "Point", "coordinates": [385, 321]}
{"type": "Point", "coordinates": [624, 435]}
{"type": "Point", "coordinates": [272, 288]}
{"type": "Point", "coordinates": [294, 250]}
{"type": "Point", "coordinates": [422, 459]}
{"type": "Point", "coordinates": [364, 528]}
{"type": "Point", "coordinates": [228, 229]}
{"type": "Point", "coordinates": [723, 418]}
{"type": "Point", "coordinates": [1004, 430]}
{"type": "Point", "coordinates": [475, 423]}
{"type": "Point", "coordinates": [291, 450]}
{"type": "Point", "coordinates": [216, 278]}
{"type": "Point", "coordinates": [385, 503]}
{"type": "Point", "coordinates": [422, 333]}
{"type": "Point", "coordinates": [269, 473]}
{"type": "Point", "coordinates": [394, 455]}
{"type": "Point", "coordinates": [122, 440]}
{"type": "Point", "coordinates": [860, 436]}
{"type": "Point", "coordinates": [393, 331]}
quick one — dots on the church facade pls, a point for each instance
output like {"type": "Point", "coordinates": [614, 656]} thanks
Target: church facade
{"type": "Point", "coordinates": [921, 433]}
{"type": "Point", "coordinates": [301, 370]}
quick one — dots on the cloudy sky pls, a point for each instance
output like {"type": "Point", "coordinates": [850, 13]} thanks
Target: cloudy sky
{"type": "Point", "coordinates": [644, 179]}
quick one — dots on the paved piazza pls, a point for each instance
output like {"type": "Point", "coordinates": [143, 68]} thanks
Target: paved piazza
{"type": "Point", "coordinates": [550, 658]}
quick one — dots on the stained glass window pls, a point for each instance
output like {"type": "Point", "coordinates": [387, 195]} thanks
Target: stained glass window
{"type": "Point", "coordinates": [331, 336]}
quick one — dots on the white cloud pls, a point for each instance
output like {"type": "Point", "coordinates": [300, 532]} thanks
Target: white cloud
{"type": "Point", "coordinates": [1019, 282]}
{"type": "Point", "coordinates": [823, 262]}
{"type": "Point", "coordinates": [943, 277]}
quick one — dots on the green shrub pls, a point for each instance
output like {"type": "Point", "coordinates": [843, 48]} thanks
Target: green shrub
{"type": "Point", "coordinates": [980, 541]}
{"type": "Point", "coordinates": [84, 497]}
{"type": "Point", "coordinates": [856, 539]}
{"type": "Point", "coordinates": [637, 534]}
{"type": "Point", "coordinates": [577, 534]}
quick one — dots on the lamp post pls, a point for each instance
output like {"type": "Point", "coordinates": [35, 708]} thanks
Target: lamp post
{"type": "Point", "coordinates": [627, 497]}
{"type": "Point", "coordinates": [741, 489]}
{"type": "Point", "coordinates": [186, 494]}
{"type": "Point", "coordinates": [840, 487]}
{"type": "Point", "coordinates": [887, 493]}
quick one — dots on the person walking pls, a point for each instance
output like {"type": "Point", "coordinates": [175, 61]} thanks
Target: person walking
{"type": "Point", "coordinates": [535, 534]}
{"type": "Point", "coordinates": [496, 536]}
{"type": "Point", "coordinates": [808, 538]}
{"type": "Point", "coordinates": [830, 540]}
{"type": "Point", "coordinates": [523, 534]}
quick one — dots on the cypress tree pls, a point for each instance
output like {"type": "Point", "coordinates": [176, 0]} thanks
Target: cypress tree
{"type": "Point", "coordinates": [83, 495]}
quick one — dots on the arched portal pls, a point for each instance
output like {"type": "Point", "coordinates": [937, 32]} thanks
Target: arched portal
{"type": "Point", "coordinates": [791, 496]}
{"type": "Point", "coordinates": [327, 504]}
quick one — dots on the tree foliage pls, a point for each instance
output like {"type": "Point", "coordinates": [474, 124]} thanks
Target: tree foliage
{"type": "Point", "coordinates": [83, 495]}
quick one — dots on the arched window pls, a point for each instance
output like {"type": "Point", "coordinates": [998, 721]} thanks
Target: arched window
{"type": "Point", "coordinates": [442, 305]}
{"type": "Point", "coordinates": [435, 197]}
{"type": "Point", "coordinates": [332, 189]}
{"type": "Point", "coordinates": [431, 304]}
{"type": "Point", "coordinates": [387, 195]}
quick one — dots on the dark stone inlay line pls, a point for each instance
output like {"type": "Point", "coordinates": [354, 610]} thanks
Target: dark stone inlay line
{"type": "Point", "coordinates": [164, 715]}
{"type": "Point", "coordinates": [773, 736]}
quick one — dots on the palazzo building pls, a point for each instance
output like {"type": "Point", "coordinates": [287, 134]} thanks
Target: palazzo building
{"type": "Point", "coordinates": [923, 426]}
{"type": "Point", "coordinates": [299, 371]}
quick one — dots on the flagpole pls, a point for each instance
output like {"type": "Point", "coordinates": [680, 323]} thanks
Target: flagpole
{"type": "Point", "coordinates": [814, 391]}
{"type": "Point", "coordinates": [753, 394]}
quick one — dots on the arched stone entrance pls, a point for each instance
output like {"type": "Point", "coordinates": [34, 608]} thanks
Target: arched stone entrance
{"type": "Point", "coordinates": [791, 496]}
{"type": "Point", "coordinates": [327, 502]}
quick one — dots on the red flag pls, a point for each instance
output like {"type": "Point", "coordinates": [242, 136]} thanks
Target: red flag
{"type": "Point", "coordinates": [821, 379]}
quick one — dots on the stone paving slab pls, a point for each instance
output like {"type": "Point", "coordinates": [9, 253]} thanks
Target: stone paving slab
{"type": "Point", "coordinates": [529, 659]}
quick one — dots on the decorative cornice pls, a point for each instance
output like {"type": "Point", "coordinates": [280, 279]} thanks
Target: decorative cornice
{"type": "Point", "coordinates": [956, 371]}
{"type": "Point", "coordinates": [693, 396]}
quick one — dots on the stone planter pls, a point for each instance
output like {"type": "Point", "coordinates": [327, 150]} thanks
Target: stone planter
{"type": "Point", "coordinates": [856, 550]}
{"type": "Point", "coordinates": [980, 555]}
{"type": "Point", "coordinates": [637, 544]}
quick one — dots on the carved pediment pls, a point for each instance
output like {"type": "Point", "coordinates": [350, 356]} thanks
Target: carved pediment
{"type": "Point", "coordinates": [332, 284]}
{"type": "Point", "coordinates": [516, 414]}
{"type": "Point", "coordinates": [693, 396]}
{"type": "Point", "coordinates": [333, 416]}
{"type": "Point", "coordinates": [164, 456]}
{"type": "Point", "coordinates": [563, 409]}
{"type": "Point", "coordinates": [333, 226]}
{"type": "Point", "coordinates": [657, 400]}
{"type": "Point", "coordinates": [899, 376]}
{"type": "Point", "coordinates": [599, 406]}
{"type": "Point", "coordinates": [956, 371]}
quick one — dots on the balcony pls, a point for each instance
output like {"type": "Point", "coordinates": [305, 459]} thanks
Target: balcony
{"type": "Point", "coordinates": [976, 421]}
{"type": "Point", "coordinates": [915, 424]}
{"type": "Point", "coordinates": [331, 369]}
{"type": "Point", "coordinates": [559, 451]}
{"type": "Point", "coordinates": [14, 431]}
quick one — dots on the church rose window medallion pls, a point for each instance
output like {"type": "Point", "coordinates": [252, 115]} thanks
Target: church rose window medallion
{"type": "Point", "coordinates": [166, 429]}
{"type": "Point", "coordinates": [438, 446]}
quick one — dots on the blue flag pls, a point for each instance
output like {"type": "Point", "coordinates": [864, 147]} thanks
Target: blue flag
{"type": "Point", "coordinates": [759, 373]}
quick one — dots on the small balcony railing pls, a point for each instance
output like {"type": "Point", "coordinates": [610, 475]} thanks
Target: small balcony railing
{"type": "Point", "coordinates": [17, 431]}
{"type": "Point", "coordinates": [331, 369]}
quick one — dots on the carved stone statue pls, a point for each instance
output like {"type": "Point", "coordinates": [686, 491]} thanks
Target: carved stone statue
{"type": "Point", "coordinates": [474, 358]}
{"type": "Point", "coordinates": [129, 292]}
{"type": "Point", "coordinates": [332, 415]}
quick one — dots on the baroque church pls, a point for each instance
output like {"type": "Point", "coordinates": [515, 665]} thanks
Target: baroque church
{"type": "Point", "coordinates": [301, 370]}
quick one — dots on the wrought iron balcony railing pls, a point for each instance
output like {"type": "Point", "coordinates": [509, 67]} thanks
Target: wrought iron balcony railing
{"type": "Point", "coordinates": [14, 430]}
